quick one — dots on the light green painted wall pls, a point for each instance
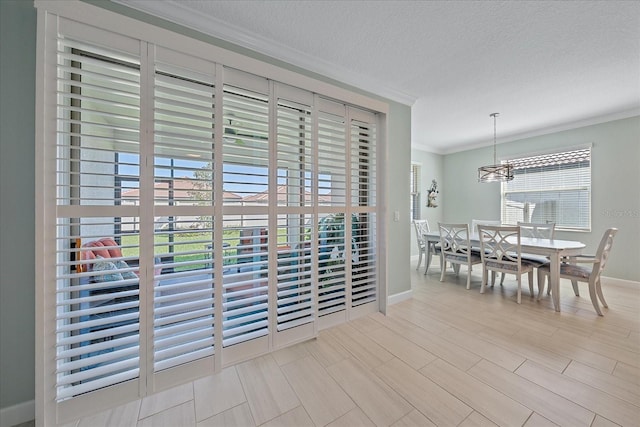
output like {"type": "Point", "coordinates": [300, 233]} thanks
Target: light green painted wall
{"type": "Point", "coordinates": [17, 218]}
{"type": "Point", "coordinates": [431, 167]}
{"type": "Point", "coordinates": [17, 191]}
{"type": "Point", "coordinates": [615, 175]}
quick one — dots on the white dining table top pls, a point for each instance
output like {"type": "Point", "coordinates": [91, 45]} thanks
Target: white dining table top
{"type": "Point", "coordinates": [545, 245]}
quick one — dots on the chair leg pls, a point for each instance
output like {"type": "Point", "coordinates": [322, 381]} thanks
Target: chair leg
{"type": "Point", "coordinates": [456, 268]}
{"type": "Point", "coordinates": [541, 281]}
{"type": "Point", "coordinates": [599, 292]}
{"type": "Point", "coordinates": [493, 278]}
{"type": "Point", "coordinates": [502, 278]}
{"type": "Point", "coordinates": [484, 280]}
{"type": "Point", "coordinates": [530, 282]}
{"type": "Point", "coordinates": [419, 260]}
{"type": "Point", "coordinates": [576, 291]}
{"type": "Point", "coordinates": [443, 267]}
{"type": "Point", "coordinates": [519, 298]}
{"type": "Point", "coordinates": [594, 297]}
{"type": "Point", "coordinates": [469, 277]}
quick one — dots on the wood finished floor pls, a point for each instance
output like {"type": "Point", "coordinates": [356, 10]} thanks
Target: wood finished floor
{"type": "Point", "coordinates": [447, 357]}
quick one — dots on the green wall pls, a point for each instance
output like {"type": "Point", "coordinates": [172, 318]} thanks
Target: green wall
{"type": "Point", "coordinates": [431, 167]}
{"type": "Point", "coordinates": [17, 191]}
{"type": "Point", "coordinates": [17, 204]}
{"type": "Point", "coordinates": [615, 195]}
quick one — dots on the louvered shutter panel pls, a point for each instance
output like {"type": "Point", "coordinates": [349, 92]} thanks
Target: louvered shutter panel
{"type": "Point", "coordinates": [97, 241]}
{"type": "Point", "coordinates": [332, 200]}
{"type": "Point", "coordinates": [183, 229]}
{"type": "Point", "coordinates": [363, 201]}
{"type": "Point", "coordinates": [295, 161]}
{"type": "Point", "coordinates": [245, 220]}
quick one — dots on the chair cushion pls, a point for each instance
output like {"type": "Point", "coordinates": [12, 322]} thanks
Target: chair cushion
{"type": "Point", "coordinates": [571, 270]}
{"type": "Point", "coordinates": [105, 271]}
{"type": "Point", "coordinates": [534, 260]}
{"type": "Point", "coordinates": [121, 264]}
{"type": "Point", "coordinates": [463, 258]}
{"type": "Point", "coordinates": [525, 265]}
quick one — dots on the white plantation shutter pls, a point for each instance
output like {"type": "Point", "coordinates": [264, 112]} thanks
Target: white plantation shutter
{"type": "Point", "coordinates": [552, 187]}
{"type": "Point", "coordinates": [246, 227]}
{"type": "Point", "coordinates": [152, 158]}
{"type": "Point", "coordinates": [295, 286]}
{"type": "Point", "coordinates": [332, 198]}
{"type": "Point", "coordinates": [363, 201]}
{"type": "Point", "coordinates": [183, 180]}
{"type": "Point", "coordinates": [332, 178]}
{"type": "Point", "coordinates": [295, 220]}
{"type": "Point", "coordinates": [97, 304]}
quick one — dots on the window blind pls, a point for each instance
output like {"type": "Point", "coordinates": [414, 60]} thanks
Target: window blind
{"type": "Point", "coordinates": [97, 304]}
{"type": "Point", "coordinates": [184, 101]}
{"type": "Point", "coordinates": [363, 199]}
{"type": "Point", "coordinates": [414, 181]}
{"type": "Point", "coordinates": [553, 187]}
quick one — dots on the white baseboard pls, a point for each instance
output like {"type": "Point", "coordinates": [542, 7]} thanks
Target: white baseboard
{"type": "Point", "coordinates": [399, 297]}
{"type": "Point", "coordinates": [621, 282]}
{"type": "Point", "coordinates": [17, 414]}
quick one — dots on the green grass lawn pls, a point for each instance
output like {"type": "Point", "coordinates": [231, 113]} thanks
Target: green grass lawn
{"type": "Point", "coordinates": [188, 242]}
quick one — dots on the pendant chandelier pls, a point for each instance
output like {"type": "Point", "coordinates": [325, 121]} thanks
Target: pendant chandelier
{"type": "Point", "coordinates": [495, 172]}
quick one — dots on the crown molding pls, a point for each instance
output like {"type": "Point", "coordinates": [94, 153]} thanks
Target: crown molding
{"type": "Point", "coordinates": [180, 14]}
{"type": "Point", "coordinates": [538, 132]}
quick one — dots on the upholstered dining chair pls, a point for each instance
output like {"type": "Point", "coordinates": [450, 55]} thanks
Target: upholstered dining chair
{"type": "Point", "coordinates": [456, 249]}
{"type": "Point", "coordinates": [421, 226]}
{"type": "Point", "coordinates": [571, 269]}
{"type": "Point", "coordinates": [536, 230]}
{"type": "Point", "coordinates": [500, 251]}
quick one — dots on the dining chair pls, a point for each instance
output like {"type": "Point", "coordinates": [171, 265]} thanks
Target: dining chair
{"type": "Point", "coordinates": [500, 251]}
{"type": "Point", "coordinates": [536, 230]}
{"type": "Point", "coordinates": [456, 249]}
{"type": "Point", "coordinates": [570, 269]}
{"type": "Point", "coordinates": [421, 226]}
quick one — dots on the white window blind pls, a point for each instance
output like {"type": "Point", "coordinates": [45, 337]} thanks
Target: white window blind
{"type": "Point", "coordinates": [363, 200]}
{"type": "Point", "coordinates": [183, 230]}
{"type": "Point", "coordinates": [97, 306]}
{"type": "Point", "coordinates": [246, 231]}
{"type": "Point", "coordinates": [415, 192]}
{"type": "Point", "coordinates": [551, 187]}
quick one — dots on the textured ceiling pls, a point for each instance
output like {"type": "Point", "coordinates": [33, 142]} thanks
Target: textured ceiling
{"type": "Point", "coordinates": [543, 65]}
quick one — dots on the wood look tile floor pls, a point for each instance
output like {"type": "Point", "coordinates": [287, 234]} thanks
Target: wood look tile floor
{"type": "Point", "coordinates": [447, 357]}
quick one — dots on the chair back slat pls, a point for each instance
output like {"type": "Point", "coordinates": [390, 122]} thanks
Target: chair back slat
{"type": "Point", "coordinates": [421, 227]}
{"type": "Point", "coordinates": [604, 248]}
{"type": "Point", "coordinates": [454, 239]}
{"type": "Point", "coordinates": [537, 230]}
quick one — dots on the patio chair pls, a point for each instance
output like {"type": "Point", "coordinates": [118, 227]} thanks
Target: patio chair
{"type": "Point", "coordinates": [570, 269]}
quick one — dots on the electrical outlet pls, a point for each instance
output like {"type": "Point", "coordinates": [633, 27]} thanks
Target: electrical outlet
{"type": "Point", "coordinates": [396, 216]}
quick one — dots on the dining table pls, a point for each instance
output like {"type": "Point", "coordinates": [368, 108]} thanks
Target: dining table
{"type": "Point", "coordinates": [553, 249]}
